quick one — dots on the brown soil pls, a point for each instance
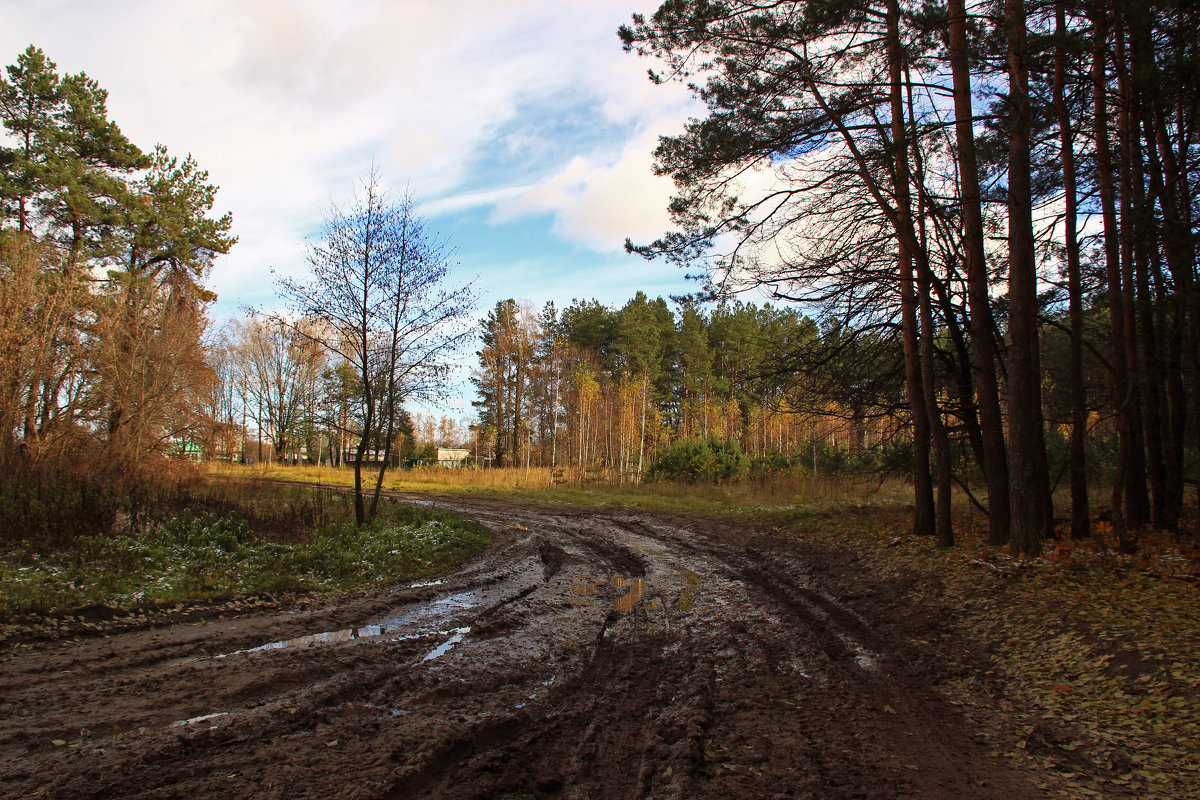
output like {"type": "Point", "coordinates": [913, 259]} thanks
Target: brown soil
{"type": "Point", "coordinates": [587, 655]}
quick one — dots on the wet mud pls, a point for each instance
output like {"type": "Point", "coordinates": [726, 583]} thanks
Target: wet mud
{"type": "Point", "coordinates": [587, 655]}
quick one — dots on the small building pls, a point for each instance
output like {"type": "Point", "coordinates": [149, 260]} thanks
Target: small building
{"type": "Point", "coordinates": [187, 451]}
{"type": "Point", "coordinates": [452, 457]}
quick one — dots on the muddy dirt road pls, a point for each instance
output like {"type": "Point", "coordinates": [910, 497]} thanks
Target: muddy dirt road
{"type": "Point", "coordinates": [588, 655]}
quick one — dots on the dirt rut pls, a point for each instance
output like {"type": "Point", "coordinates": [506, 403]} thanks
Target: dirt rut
{"type": "Point", "coordinates": [587, 655]}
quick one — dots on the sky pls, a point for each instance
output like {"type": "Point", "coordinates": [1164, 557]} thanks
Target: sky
{"type": "Point", "coordinates": [521, 127]}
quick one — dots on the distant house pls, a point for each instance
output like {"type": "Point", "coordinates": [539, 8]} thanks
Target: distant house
{"type": "Point", "coordinates": [452, 457]}
{"type": "Point", "coordinates": [187, 451]}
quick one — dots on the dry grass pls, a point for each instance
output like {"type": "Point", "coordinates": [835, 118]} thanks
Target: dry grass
{"type": "Point", "coordinates": [427, 478]}
{"type": "Point", "coordinates": [782, 490]}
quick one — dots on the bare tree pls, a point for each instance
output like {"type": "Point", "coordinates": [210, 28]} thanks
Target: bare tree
{"type": "Point", "coordinates": [379, 298]}
{"type": "Point", "coordinates": [282, 363]}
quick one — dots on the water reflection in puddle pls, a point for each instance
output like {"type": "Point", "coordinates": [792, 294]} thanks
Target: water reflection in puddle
{"type": "Point", "coordinates": [586, 586]}
{"type": "Point", "coordinates": [440, 607]}
{"type": "Point", "coordinates": [444, 647]}
{"type": "Point", "coordinates": [328, 637]}
{"type": "Point", "coordinates": [197, 720]}
{"type": "Point", "coordinates": [636, 587]}
{"type": "Point", "coordinates": [424, 584]}
{"type": "Point", "coordinates": [534, 696]}
{"type": "Point", "coordinates": [320, 638]}
{"type": "Point", "coordinates": [412, 624]}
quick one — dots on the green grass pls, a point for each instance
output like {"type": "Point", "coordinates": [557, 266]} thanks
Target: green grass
{"type": "Point", "coordinates": [207, 555]}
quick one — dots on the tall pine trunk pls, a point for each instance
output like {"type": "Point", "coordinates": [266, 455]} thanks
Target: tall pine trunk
{"type": "Point", "coordinates": [926, 281]}
{"type": "Point", "coordinates": [1080, 523]}
{"type": "Point", "coordinates": [923, 517]}
{"type": "Point", "coordinates": [1179, 251]}
{"type": "Point", "coordinates": [943, 521]}
{"type": "Point", "coordinates": [1137, 499]}
{"type": "Point", "coordinates": [1028, 471]}
{"type": "Point", "coordinates": [1161, 336]}
{"type": "Point", "coordinates": [991, 423]}
{"type": "Point", "coordinates": [1106, 180]}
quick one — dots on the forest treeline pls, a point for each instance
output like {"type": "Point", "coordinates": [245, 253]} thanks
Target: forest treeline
{"type": "Point", "coordinates": [104, 248]}
{"type": "Point", "coordinates": [983, 179]}
{"type": "Point", "coordinates": [592, 390]}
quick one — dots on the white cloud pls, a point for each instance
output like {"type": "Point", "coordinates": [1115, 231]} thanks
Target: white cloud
{"type": "Point", "coordinates": [601, 203]}
{"type": "Point", "coordinates": [461, 202]}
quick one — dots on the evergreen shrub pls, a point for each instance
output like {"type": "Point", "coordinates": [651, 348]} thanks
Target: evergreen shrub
{"type": "Point", "coordinates": [697, 460]}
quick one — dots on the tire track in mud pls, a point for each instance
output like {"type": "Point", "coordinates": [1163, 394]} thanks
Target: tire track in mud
{"type": "Point", "coordinates": [596, 655]}
{"type": "Point", "coordinates": [845, 639]}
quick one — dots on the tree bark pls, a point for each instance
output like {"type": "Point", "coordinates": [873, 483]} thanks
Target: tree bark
{"type": "Point", "coordinates": [1179, 251]}
{"type": "Point", "coordinates": [1080, 522]}
{"type": "Point", "coordinates": [1112, 261]}
{"type": "Point", "coordinates": [1137, 500]}
{"type": "Point", "coordinates": [991, 423]}
{"type": "Point", "coordinates": [924, 522]}
{"type": "Point", "coordinates": [1029, 473]}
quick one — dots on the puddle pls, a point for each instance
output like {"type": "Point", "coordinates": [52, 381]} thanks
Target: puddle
{"type": "Point", "coordinates": [446, 646]}
{"type": "Point", "coordinates": [424, 584]}
{"type": "Point", "coordinates": [197, 720]}
{"type": "Point", "coordinates": [412, 624]}
{"type": "Point", "coordinates": [687, 598]}
{"type": "Point", "coordinates": [636, 588]}
{"type": "Point", "coordinates": [328, 637]}
{"type": "Point", "coordinates": [441, 607]}
{"type": "Point", "coordinates": [865, 659]}
{"type": "Point", "coordinates": [586, 586]}
{"type": "Point", "coordinates": [530, 698]}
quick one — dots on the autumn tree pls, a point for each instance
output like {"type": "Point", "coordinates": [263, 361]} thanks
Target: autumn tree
{"type": "Point", "coordinates": [122, 242]}
{"type": "Point", "coordinates": [38, 340]}
{"type": "Point", "coordinates": [509, 336]}
{"type": "Point", "coordinates": [282, 364]}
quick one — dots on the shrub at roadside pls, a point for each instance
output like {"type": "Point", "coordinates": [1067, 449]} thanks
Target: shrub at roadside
{"type": "Point", "coordinates": [700, 461]}
{"type": "Point", "coordinates": [889, 459]}
{"type": "Point", "coordinates": [54, 507]}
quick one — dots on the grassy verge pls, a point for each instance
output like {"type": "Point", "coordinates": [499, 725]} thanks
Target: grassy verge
{"type": "Point", "coordinates": [1093, 684]}
{"type": "Point", "coordinates": [788, 491]}
{"type": "Point", "coordinates": [229, 541]}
